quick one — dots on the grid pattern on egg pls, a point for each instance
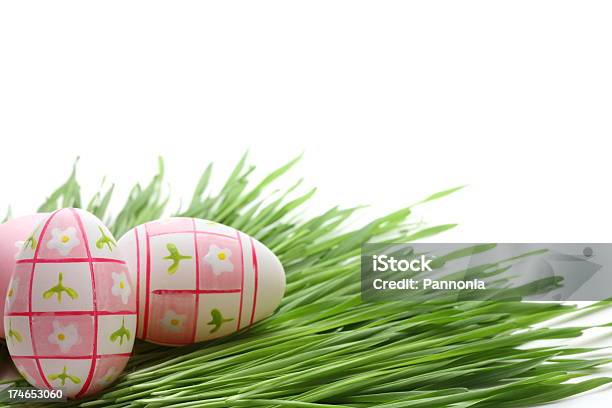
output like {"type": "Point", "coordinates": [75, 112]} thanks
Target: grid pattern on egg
{"type": "Point", "coordinates": [65, 328]}
{"type": "Point", "coordinates": [210, 291]}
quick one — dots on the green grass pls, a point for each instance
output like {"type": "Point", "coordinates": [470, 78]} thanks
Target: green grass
{"type": "Point", "coordinates": [324, 347]}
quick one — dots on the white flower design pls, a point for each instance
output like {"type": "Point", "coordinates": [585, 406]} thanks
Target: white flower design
{"type": "Point", "coordinates": [173, 321]}
{"type": "Point", "coordinates": [11, 294]}
{"type": "Point", "coordinates": [64, 336]}
{"type": "Point", "coordinates": [63, 240]}
{"type": "Point", "coordinates": [121, 286]}
{"type": "Point", "coordinates": [219, 259]}
{"type": "Point", "coordinates": [109, 377]}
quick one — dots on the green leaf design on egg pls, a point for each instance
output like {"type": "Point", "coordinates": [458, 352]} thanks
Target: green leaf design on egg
{"type": "Point", "coordinates": [63, 376]}
{"type": "Point", "coordinates": [105, 240]}
{"type": "Point", "coordinates": [30, 242]}
{"type": "Point", "coordinates": [120, 333]}
{"type": "Point", "coordinates": [59, 289]}
{"type": "Point", "coordinates": [217, 320]}
{"type": "Point", "coordinates": [176, 258]}
{"type": "Point", "coordinates": [13, 333]}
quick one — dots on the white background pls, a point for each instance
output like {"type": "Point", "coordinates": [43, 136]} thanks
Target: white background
{"type": "Point", "coordinates": [389, 101]}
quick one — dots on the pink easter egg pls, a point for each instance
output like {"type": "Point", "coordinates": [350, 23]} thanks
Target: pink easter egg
{"type": "Point", "coordinates": [12, 235]}
{"type": "Point", "coordinates": [199, 280]}
{"type": "Point", "coordinates": [71, 316]}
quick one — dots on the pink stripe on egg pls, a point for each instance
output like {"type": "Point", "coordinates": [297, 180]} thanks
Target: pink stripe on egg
{"type": "Point", "coordinates": [242, 280]}
{"type": "Point", "coordinates": [197, 278]}
{"type": "Point", "coordinates": [148, 285]}
{"type": "Point", "coordinates": [42, 233]}
{"type": "Point", "coordinates": [256, 268]}
{"type": "Point", "coordinates": [95, 305]}
{"type": "Point", "coordinates": [137, 276]}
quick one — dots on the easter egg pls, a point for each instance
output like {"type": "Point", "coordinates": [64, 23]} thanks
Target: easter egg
{"type": "Point", "coordinates": [199, 280]}
{"type": "Point", "coordinates": [71, 316]}
{"type": "Point", "coordinates": [12, 235]}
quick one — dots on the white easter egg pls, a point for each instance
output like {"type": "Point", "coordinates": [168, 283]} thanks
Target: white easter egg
{"type": "Point", "coordinates": [71, 319]}
{"type": "Point", "coordinates": [198, 280]}
{"type": "Point", "coordinates": [13, 233]}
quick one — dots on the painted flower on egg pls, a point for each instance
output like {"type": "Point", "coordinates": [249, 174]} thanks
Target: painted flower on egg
{"type": "Point", "coordinates": [219, 259]}
{"type": "Point", "coordinates": [121, 287]}
{"type": "Point", "coordinates": [63, 240]}
{"type": "Point", "coordinates": [64, 336]}
{"type": "Point", "coordinates": [173, 321]}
